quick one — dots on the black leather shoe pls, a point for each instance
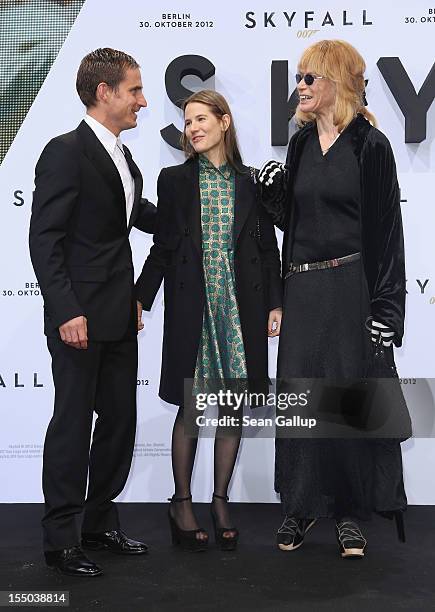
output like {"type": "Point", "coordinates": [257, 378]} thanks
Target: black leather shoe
{"type": "Point", "coordinates": [116, 541]}
{"type": "Point", "coordinates": [72, 562]}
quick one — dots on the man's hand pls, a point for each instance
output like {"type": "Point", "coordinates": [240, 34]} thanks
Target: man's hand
{"type": "Point", "coordinates": [140, 325]}
{"type": "Point", "coordinates": [75, 333]}
{"type": "Point", "coordinates": [274, 323]}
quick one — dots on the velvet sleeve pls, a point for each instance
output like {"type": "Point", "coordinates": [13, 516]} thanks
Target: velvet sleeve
{"type": "Point", "coordinates": [277, 205]}
{"type": "Point", "coordinates": [384, 236]}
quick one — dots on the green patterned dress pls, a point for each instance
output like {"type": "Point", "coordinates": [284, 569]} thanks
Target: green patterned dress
{"type": "Point", "coordinates": [221, 352]}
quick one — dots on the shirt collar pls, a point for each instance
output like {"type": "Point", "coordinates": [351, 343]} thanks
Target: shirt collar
{"type": "Point", "coordinates": [225, 169]}
{"type": "Point", "coordinates": [105, 136]}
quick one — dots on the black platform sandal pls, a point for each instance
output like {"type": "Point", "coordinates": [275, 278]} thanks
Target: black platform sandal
{"type": "Point", "coordinates": [186, 539]}
{"type": "Point", "coordinates": [224, 543]}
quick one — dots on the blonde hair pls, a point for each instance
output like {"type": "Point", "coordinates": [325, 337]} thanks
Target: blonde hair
{"type": "Point", "coordinates": [219, 107]}
{"type": "Point", "coordinates": [343, 65]}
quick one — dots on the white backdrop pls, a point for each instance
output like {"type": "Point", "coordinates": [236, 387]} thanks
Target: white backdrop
{"type": "Point", "coordinates": [242, 57]}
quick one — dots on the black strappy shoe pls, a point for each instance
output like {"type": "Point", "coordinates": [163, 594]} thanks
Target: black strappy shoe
{"type": "Point", "coordinates": [225, 543]}
{"type": "Point", "coordinates": [291, 534]}
{"type": "Point", "coordinates": [186, 539]}
{"type": "Point", "coordinates": [351, 541]}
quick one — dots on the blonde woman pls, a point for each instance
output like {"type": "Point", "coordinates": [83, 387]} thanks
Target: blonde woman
{"type": "Point", "coordinates": [337, 201]}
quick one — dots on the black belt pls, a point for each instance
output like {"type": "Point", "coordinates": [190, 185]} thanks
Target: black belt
{"type": "Point", "coordinates": [321, 265]}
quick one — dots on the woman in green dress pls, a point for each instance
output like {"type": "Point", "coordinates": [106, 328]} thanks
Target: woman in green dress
{"type": "Point", "coordinates": [216, 250]}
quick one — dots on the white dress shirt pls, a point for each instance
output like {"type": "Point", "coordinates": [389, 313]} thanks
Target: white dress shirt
{"type": "Point", "coordinates": [114, 147]}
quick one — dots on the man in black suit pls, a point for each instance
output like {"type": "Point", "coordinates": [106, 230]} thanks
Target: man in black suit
{"type": "Point", "coordinates": [87, 197]}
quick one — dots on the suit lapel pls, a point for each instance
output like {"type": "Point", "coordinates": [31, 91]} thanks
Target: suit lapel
{"type": "Point", "coordinates": [242, 204]}
{"type": "Point", "coordinates": [138, 183]}
{"type": "Point", "coordinates": [101, 160]}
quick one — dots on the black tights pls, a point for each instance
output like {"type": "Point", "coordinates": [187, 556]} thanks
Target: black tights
{"type": "Point", "coordinates": [226, 446]}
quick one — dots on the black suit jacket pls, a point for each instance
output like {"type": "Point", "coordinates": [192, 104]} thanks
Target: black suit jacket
{"type": "Point", "coordinates": [79, 235]}
{"type": "Point", "coordinates": [176, 258]}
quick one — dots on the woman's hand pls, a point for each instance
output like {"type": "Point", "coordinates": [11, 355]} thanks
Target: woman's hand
{"type": "Point", "coordinates": [274, 323]}
{"type": "Point", "coordinates": [140, 325]}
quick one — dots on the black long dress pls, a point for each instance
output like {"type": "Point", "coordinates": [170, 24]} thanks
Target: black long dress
{"type": "Point", "coordinates": [323, 335]}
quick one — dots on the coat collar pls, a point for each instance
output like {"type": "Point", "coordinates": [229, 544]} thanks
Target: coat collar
{"type": "Point", "coordinates": [244, 200]}
{"type": "Point", "coordinates": [359, 128]}
{"type": "Point", "coordinates": [193, 202]}
{"type": "Point", "coordinates": [242, 204]}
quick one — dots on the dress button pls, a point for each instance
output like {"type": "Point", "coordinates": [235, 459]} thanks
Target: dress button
{"type": "Point", "coordinates": [186, 231]}
{"type": "Point", "coordinates": [182, 285]}
{"type": "Point", "coordinates": [254, 260]}
{"type": "Point", "coordinates": [257, 287]}
{"type": "Point", "coordinates": [184, 259]}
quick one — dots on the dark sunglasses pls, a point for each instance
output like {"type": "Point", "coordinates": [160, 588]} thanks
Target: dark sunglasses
{"type": "Point", "coordinates": [308, 78]}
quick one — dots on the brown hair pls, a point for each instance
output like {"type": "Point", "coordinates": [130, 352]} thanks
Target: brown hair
{"type": "Point", "coordinates": [219, 107]}
{"type": "Point", "coordinates": [341, 63]}
{"type": "Point", "coordinates": [102, 66]}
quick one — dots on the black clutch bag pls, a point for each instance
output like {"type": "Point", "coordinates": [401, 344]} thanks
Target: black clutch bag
{"type": "Point", "coordinates": [381, 362]}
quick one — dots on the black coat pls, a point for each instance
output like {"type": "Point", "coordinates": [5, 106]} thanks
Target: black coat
{"type": "Point", "coordinates": [176, 258]}
{"type": "Point", "coordinates": [381, 221]}
{"type": "Point", "coordinates": [79, 236]}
